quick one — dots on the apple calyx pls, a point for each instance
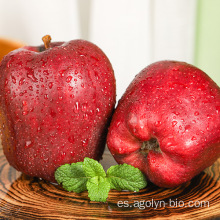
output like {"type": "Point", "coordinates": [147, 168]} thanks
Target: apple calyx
{"type": "Point", "coordinates": [147, 146]}
{"type": "Point", "coordinates": [46, 39]}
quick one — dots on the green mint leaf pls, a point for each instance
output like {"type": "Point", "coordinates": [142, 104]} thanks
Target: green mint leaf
{"type": "Point", "coordinates": [126, 177]}
{"type": "Point", "coordinates": [72, 177]}
{"type": "Point", "coordinates": [98, 188]}
{"type": "Point", "coordinates": [93, 168]}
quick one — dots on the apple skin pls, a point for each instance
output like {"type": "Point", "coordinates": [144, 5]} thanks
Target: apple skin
{"type": "Point", "coordinates": [177, 106]}
{"type": "Point", "coordinates": [55, 105]}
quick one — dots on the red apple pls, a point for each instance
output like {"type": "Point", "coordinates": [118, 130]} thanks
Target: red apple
{"type": "Point", "coordinates": [168, 123]}
{"type": "Point", "coordinates": [55, 105]}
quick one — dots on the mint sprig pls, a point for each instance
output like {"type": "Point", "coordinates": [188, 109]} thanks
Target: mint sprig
{"type": "Point", "coordinates": [90, 175]}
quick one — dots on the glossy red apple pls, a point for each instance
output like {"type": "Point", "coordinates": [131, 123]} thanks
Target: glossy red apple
{"type": "Point", "coordinates": [168, 123]}
{"type": "Point", "coordinates": [55, 105]}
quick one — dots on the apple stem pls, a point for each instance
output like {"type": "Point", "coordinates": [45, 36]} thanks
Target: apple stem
{"type": "Point", "coordinates": [46, 39]}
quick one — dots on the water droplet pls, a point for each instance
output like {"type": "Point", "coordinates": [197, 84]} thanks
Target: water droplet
{"type": "Point", "coordinates": [85, 142]}
{"type": "Point", "coordinates": [153, 160]}
{"type": "Point", "coordinates": [134, 130]}
{"type": "Point", "coordinates": [13, 94]}
{"type": "Point", "coordinates": [98, 111]}
{"type": "Point", "coordinates": [62, 156]}
{"type": "Point", "coordinates": [187, 127]}
{"type": "Point", "coordinates": [21, 82]}
{"type": "Point", "coordinates": [76, 107]}
{"type": "Point", "coordinates": [68, 79]}
{"type": "Point", "coordinates": [174, 123]}
{"type": "Point", "coordinates": [60, 98]}
{"type": "Point", "coordinates": [176, 113]}
{"type": "Point", "coordinates": [13, 79]}
{"type": "Point", "coordinates": [46, 160]}
{"type": "Point", "coordinates": [84, 107]}
{"type": "Point", "coordinates": [82, 85]}
{"type": "Point", "coordinates": [157, 123]}
{"type": "Point", "coordinates": [46, 72]}
{"type": "Point", "coordinates": [217, 109]}
{"type": "Point", "coordinates": [24, 103]}
{"type": "Point", "coordinates": [196, 113]}
{"type": "Point", "coordinates": [91, 112]}
{"type": "Point", "coordinates": [175, 69]}
{"type": "Point", "coordinates": [52, 113]}
{"type": "Point", "coordinates": [209, 116]}
{"type": "Point", "coordinates": [30, 88]}
{"type": "Point", "coordinates": [96, 75]}
{"type": "Point", "coordinates": [61, 72]}
{"type": "Point", "coordinates": [28, 144]}
{"type": "Point", "coordinates": [70, 88]}
{"type": "Point", "coordinates": [72, 96]}
{"type": "Point", "coordinates": [46, 96]}
{"type": "Point", "coordinates": [171, 86]}
{"type": "Point", "coordinates": [85, 116]}
{"type": "Point", "coordinates": [193, 138]}
{"type": "Point", "coordinates": [50, 85]}
{"type": "Point", "coordinates": [8, 64]}
{"type": "Point", "coordinates": [24, 112]}
{"type": "Point", "coordinates": [118, 124]}
{"type": "Point", "coordinates": [30, 74]}
{"type": "Point", "coordinates": [71, 139]}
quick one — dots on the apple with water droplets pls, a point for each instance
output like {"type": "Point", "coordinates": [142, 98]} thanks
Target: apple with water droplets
{"type": "Point", "coordinates": [167, 123]}
{"type": "Point", "coordinates": [56, 102]}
